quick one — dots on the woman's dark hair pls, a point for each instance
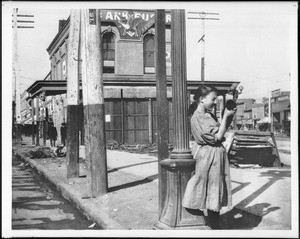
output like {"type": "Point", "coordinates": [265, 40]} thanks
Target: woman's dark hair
{"type": "Point", "coordinates": [201, 91]}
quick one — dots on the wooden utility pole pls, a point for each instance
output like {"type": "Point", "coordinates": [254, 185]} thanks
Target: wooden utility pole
{"type": "Point", "coordinates": [32, 119]}
{"type": "Point", "coordinates": [93, 100]}
{"type": "Point", "coordinates": [202, 16]}
{"type": "Point", "coordinates": [72, 140]}
{"type": "Point", "coordinates": [162, 103]}
{"type": "Point", "coordinates": [181, 163]}
{"type": "Point", "coordinates": [17, 92]}
{"type": "Point", "coordinates": [37, 110]}
{"type": "Point", "coordinates": [150, 121]}
{"type": "Point", "coordinates": [17, 126]}
{"type": "Point", "coordinates": [43, 117]}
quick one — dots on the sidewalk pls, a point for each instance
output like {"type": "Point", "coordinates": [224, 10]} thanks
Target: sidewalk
{"type": "Point", "coordinates": [261, 196]}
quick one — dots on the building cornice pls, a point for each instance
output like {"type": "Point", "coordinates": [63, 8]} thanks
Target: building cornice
{"type": "Point", "coordinates": [60, 87]}
{"type": "Point", "coordinates": [59, 38]}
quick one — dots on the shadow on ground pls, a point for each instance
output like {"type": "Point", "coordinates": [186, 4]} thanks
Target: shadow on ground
{"type": "Point", "coordinates": [241, 219]}
{"type": "Point", "coordinates": [133, 184]}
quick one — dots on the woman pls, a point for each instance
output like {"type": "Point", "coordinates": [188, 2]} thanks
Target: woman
{"type": "Point", "coordinates": [209, 189]}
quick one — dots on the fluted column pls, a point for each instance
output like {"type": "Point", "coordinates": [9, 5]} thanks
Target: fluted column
{"type": "Point", "coordinates": [162, 103]}
{"type": "Point", "coordinates": [179, 89]}
{"type": "Point", "coordinates": [180, 165]}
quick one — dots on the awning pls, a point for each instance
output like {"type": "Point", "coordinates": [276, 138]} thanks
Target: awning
{"type": "Point", "coordinates": [60, 87]}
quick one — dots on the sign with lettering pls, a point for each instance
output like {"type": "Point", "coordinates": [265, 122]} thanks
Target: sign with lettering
{"type": "Point", "coordinates": [107, 118]}
{"type": "Point", "coordinates": [92, 16]}
{"type": "Point", "coordinates": [275, 93]}
{"type": "Point", "coordinates": [131, 24]}
{"type": "Point", "coordinates": [283, 98]}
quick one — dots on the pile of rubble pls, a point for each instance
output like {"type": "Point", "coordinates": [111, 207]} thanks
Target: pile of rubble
{"type": "Point", "coordinates": [60, 151]}
{"type": "Point", "coordinates": [136, 148]}
{"type": "Point", "coordinates": [43, 152]}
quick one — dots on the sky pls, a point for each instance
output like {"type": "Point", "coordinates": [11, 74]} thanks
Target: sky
{"type": "Point", "coordinates": [252, 42]}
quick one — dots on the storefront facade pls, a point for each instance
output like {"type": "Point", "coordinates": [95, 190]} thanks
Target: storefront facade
{"type": "Point", "coordinates": [281, 111]}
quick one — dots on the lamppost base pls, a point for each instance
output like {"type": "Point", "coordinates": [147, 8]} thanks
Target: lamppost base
{"type": "Point", "coordinates": [173, 215]}
{"type": "Point", "coordinates": [161, 226]}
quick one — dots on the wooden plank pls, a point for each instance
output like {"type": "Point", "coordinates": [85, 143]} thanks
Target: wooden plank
{"type": "Point", "coordinates": [277, 162]}
{"type": "Point", "coordinates": [253, 133]}
{"type": "Point", "coordinates": [251, 141]}
{"type": "Point", "coordinates": [253, 146]}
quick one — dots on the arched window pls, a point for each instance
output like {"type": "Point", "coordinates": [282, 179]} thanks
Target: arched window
{"type": "Point", "coordinates": [149, 54]}
{"type": "Point", "coordinates": [108, 46]}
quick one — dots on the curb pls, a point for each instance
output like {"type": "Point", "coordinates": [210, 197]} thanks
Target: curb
{"type": "Point", "coordinates": [101, 218]}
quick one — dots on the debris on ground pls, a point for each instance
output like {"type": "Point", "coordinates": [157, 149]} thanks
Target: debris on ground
{"type": "Point", "coordinates": [92, 226]}
{"type": "Point", "coordinates": [40, 153]}
{"type": "Point", "coordinates": [134, 148]}
{"type": "Point", "coordinates": [49, 197]}
{"type": "Point", "coordinates": [61, 151]}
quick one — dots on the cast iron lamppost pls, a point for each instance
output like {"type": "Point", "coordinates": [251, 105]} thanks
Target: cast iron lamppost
{"type": "Point", "coordinates": [181, 163]}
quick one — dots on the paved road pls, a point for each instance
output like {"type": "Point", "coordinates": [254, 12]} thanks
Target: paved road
{"type": "Point", "coordinates": [36, 206]}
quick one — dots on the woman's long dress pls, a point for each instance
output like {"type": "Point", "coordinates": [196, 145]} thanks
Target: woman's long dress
{"type": "Point", "coordinates": [210, 186]}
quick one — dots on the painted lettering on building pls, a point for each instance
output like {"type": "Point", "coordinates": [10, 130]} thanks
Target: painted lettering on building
{"type": "Point", "coordinates": [283, 98]}
{"type": "Point", "coordinates": [131, 24]}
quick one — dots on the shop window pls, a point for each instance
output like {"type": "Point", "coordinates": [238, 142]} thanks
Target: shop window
{"type": "Point", "coordinates": [108, 46]}
{"type": "Point", "coordinates": [149, 54]}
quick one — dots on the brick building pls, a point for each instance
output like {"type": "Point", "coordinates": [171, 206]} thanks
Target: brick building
{"type": "Point", "coordinates": [128, 60]}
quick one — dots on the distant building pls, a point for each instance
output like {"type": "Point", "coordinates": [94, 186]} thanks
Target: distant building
{"type": "Point", "coordinates": [258, 112]}
{"type": "Point", "coordinates": [251, 114]}
{"type": "Point", "coordinates": [281, 110]}
{"type": "Point", "coordinates": [244, 113]}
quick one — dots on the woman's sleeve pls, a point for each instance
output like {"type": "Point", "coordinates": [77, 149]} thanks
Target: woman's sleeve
{"type": "Point", "coordinates": [205, 129]}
